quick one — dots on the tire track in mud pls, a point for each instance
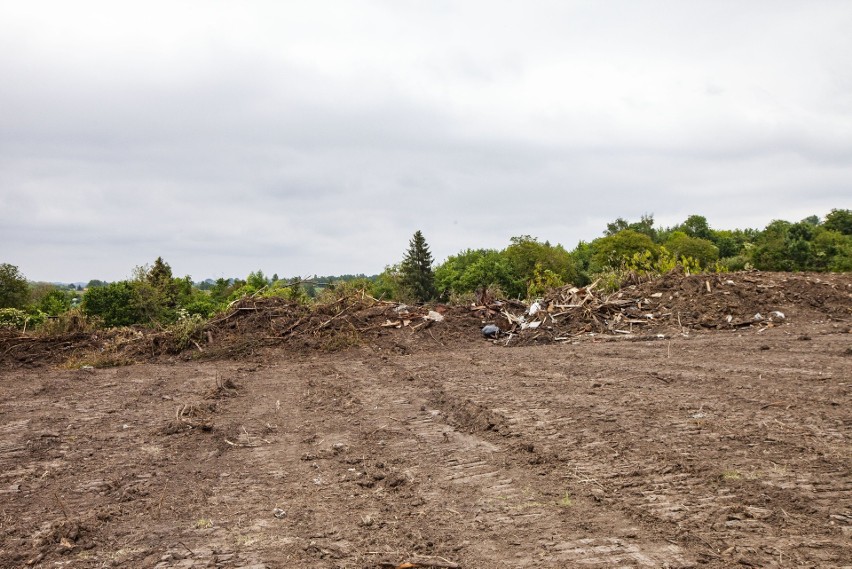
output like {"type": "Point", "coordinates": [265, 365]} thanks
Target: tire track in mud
{"type": "Point", "coordinates": [494, 487]}
{"type": "Point", "coordinates": [713, 505]}
{"type": "Point", "coordinates": [602, 455]}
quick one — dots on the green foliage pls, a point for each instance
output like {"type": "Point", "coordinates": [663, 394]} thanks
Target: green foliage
{"type": "Point", "coordinates": [223, 289]}
{"type": "Point", "coordinates": [116, 304]}
{"type": "Point", "coordinates": [527, 266]}
{"type": "Point", "coordinates": [187, 329]}
{"type": "Point", "coordinates": [347, 288]}
{"type": "Point", "coordinates": [525, 253]}
{"type": "Point", "coordinates": [70, 321]}
{"type": "Point", "coordinates": [696, 226]}
{"type": "Point", "coordinates": [14, 290]}
{"type": "Point", "coordinates": [614, 250]}
{"type": "Point", "coordinates": [416, 269]}
{"type": "Point", "coordinates": [388, 285]}
{"type": "Point", "coordinates": [542, 281]}
{"type": "Point", "coordinates": [730, 243]}
{"type": "Point", "coordinates": [644, 266]}
{"type": "Point", "coordinates": [292, 290]}
{"type": "Point", "coordinates": [802, 246]}
{"type": "Point", "coordinates": [14, 318]}
{"type": "Point", "coordinates": [152, 297]}
{"type": "Point", "coordinates": [839, 220]}
{"type": "Point", "coordinates": [473, 270]}
{"type": "Point", "coordinates": [54, 302]}
{"type": "Point", "coordinates": [645, 225]}
{"type": "Point", "coordinates": [201, 303]}
{"type": "Point", "coordinates": [701, 250]}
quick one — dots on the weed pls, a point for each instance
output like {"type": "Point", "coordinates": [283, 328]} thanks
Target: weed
{"type": "Point", "coordinates": [566, 501]}
{"type": "Point", "coordinates": [203, 523]}
{"type": "Point", "coordinates": [186, 330]}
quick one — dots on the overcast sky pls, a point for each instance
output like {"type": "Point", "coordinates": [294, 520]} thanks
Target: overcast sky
{"type": "Point", "coordinates": [315, 137]}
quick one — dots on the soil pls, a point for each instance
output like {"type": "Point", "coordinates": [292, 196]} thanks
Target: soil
{"type": "Point", "coordinates": [706, 441]}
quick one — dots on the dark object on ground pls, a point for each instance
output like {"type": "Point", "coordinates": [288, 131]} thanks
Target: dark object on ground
{"type": "Point", "coordinates": [490, 331]}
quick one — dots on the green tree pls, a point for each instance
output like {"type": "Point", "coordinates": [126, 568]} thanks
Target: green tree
{"type": "Point", "coordinates": [117, 304]}
{"type": "Point", "coordinates": [696, 226]}
{"type": "Point", "coordinates": [14, 290]}
{"type": "Point", "coordinates": [526, 253]}
{"type": "Point", "coordinates": [644, 225]}
{"type": "Point", "coordinates": [159, 275]}
{"type": "Point", "coordinates": [416, 269]}
{"type": "Point", "coordinates": [54, 303]}
{"type": "Point", "coordinates": [471, 270]}
{"type": "Point", "coordinates": [839, 220]}
{"type": "Point", "coordinates": [682, 245]}
{"type": "Point", "coordinates": [614, 250]}
{"type": "Point", "coordinates": [388, 284]}
{"type": "Point", "coordinates": [770, 252]}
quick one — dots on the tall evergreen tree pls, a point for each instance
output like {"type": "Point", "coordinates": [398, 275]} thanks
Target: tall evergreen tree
{"type": "Point", "coordinates": [416, 268]}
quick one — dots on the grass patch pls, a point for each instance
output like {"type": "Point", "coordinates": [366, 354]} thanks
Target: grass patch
{"type": "Point", "coordinates": [565, 501]}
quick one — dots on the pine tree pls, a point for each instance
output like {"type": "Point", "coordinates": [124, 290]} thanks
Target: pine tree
{"type": "Point", "coordinates": [416, 268]}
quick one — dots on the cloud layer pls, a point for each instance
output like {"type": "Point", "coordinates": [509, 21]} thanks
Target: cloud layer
{"type": "Point", "coordinates": [304, 138]}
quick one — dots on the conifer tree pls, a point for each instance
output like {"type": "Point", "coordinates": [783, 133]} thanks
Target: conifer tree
{"type": "Point", "coordinates": [416, 268]}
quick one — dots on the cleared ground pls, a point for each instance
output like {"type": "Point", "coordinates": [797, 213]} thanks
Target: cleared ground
{"type": "Point", "coordinates": [716, 449]}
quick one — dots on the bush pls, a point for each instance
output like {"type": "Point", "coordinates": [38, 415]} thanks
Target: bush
{"type": "Point", "coordinates": [116, 304]}
{"type": "Point", "coordinates": [70, 322]}
{"type": "Point", "coordinates": [14, 289]}
{"type": "Point", "coordinates": [13, 318]}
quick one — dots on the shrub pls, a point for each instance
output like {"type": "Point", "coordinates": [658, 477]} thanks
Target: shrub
{"type": "Point", "coordinates": [13, 318]}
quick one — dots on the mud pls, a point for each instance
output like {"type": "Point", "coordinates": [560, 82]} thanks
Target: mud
{"type": "Point", "coordinates": [705, 448]}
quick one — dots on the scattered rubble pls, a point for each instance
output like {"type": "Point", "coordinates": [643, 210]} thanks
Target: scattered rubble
{"type": "Point", "coordinates": [675, 303]}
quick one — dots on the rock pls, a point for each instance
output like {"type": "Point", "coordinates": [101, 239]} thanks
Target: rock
{"type": "Point", "coordinates": [490, 331]}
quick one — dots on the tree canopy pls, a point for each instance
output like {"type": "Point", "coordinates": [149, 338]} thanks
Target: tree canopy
{"type": "Point", "coordinates": [14, 290]}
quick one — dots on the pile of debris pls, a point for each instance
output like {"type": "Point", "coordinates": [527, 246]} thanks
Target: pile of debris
{"type": "Point", "coordinates": [674, 303]}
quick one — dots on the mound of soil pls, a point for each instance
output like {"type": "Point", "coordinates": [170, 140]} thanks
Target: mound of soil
{"type": "Point", "coordinates": [678, 303]}
{"type": "Point", "coordinates": [675, 303]}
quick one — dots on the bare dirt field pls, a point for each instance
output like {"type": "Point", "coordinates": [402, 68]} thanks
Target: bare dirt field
{"type": "Point", "coordinates": [709, 443]}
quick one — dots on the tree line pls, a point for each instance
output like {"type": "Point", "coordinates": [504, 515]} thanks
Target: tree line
{"type": "Point", "coordinates": [525, 268]}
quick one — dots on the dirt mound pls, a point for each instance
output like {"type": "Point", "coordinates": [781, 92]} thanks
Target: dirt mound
{"type": "Point", "coordinates": [672, 304]}
{"type": "Point", "coordinates": [351, 321]}
{"type": "Point", "coordinates": [678, 303]}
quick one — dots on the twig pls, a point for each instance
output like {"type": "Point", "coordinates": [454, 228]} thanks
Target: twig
{"type": "Point", "coordinates": [191, 552]}
{"type": "Point", "coordinates": [61, 505]}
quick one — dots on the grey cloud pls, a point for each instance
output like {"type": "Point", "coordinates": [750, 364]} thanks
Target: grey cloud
{"type": "Point", "coordinates": [321, 149]}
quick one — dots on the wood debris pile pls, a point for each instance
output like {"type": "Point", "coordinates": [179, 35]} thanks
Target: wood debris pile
{"type": "Point", "coordinates": [570, 311]}
{"type": "Point", "coordinates": [348, 321]}
{"type": "Point", "coordinates": [675, 303]}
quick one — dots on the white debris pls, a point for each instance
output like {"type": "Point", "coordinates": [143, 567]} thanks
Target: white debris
{"type": "Point", "coordinates": [776, 315]}
{"type": "Point", "coordinates": [436, 316]}
{"type": "Point", "coordinates": [534, 307]}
